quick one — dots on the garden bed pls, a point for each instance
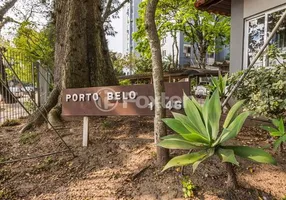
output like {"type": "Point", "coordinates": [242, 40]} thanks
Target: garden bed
{"type": "Point", "coordinates": [120, 164]}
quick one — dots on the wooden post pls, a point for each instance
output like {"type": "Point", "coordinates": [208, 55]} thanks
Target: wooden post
{"type": "Point", "coordinates": [85, 132]}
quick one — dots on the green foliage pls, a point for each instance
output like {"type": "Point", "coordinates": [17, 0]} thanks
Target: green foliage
{"type": "Point", "coordinates": [36, 45]}
{"type": "Point", "coordinates": [10, 122]}
{"type": "Point", "coordinates": [200, 130]}
{"type": "Point", "coordinates": [204, 31]}
{"type": "Point", "coordinates": [29, 105]}
{"type": "Point", "coordinates": [188, 187]}
{"type": "Point", "coordinates": [275, 54]}
{"type": "Point", "coordinates": [277, 132]}
{"type": "Point", "coordinates": [106, 124]}
{"type": "Point", "coordinates": [125, 82]}
{"type": "Point", "coordinates": [131, 61]}
{"type": "Point", "coordinates": [264, 90]}
{"type": "Point", "coordinates": [31, 46]}
{"type": "Point", "coordinates": [46, 164]}
{"type": "Point", "coordinates": [218, 83]}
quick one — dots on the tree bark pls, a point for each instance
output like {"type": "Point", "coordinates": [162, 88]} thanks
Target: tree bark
{"type": "Point", "coordinates": [81, 53]}
{"type": "Point", "coordinates": [158, 79]}
{"type": "Point", "coordinates": [4, 87]}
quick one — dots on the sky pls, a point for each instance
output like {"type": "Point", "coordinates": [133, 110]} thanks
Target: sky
{"type": "Point", "coordinates": [115, 43]}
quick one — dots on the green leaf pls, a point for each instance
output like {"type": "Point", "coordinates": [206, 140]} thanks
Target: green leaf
{"type": "Point", "coordinates": [254, 154]}
{"type": "Point", "coordinates": [210, 153]}
{"type": "Point", "coordinates": [173, 136]}
{"type": "Point", "coordinates": [186, 122]}
{"type": "Point", "coordinates": [185, 159]}
{"type": "Point", "coordinates": [281, 126]}
{"type": "Point", "coordinates": [232, 114]}
{"type": "Point", "coordinates": [227, 155]}
{"type": "Point", "coordinates": [194, 116]}
{"type": "Point", "coordinates": [270, 129]}
{"type": "Point", "coordinates": [279, 141]}
{"type": "Point", "coordinates": [176, 126]}
{"type": "Point", "coordinates": [175, 144]}
{"type": "Point", "coordinates": [197, 104]}
{"type": "Point", "coordinates": [212, 114]}
{"type": "Point", "coordinates": [234, 128]}
{"type": "Point", "coordinates": [276, 122]}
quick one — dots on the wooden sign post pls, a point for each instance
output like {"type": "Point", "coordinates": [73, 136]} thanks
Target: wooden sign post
{"type": "Point", "coordinates": [133, 100]}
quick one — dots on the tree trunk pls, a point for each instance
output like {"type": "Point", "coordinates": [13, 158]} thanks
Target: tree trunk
{"type": "Point", "coordinates": [231, 177]}
{"type": "Point", "coordinates": [158, 79]}
{"type": "Point", "coordinates": [4, 88]}
{"type": "Point", "coordinates": [81, 53]}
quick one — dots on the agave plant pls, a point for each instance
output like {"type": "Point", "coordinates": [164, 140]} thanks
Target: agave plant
{"type": "Point", "coordinates": [218, 83]}
{"type": "Point", "coordinates": [278, 132]}
{"type": "Point", "coordinates": [199, 130]}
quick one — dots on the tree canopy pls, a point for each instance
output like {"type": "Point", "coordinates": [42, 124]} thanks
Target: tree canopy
{"type": "Point", "coordinates": [204, 31]}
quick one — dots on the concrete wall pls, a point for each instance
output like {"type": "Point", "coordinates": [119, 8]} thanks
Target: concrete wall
{"type": "Point", "coordinates": [253, 7]}
{"type": "Point", "coordinates": [237, 32]}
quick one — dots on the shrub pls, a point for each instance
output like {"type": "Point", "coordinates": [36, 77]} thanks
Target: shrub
{"type": "Point", "coordinates": [277, 131]}
{"type": "Point", "coordinates": [218, 83]}
{"type": "Point", "coordinates": [125, 82]}
{"type": "Point", "coordinates": [264, 90]}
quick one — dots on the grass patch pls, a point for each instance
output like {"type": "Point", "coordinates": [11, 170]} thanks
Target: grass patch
{"type": "Point", "coordinates": [11, 122]}
{"type": "Point", "coordinates": [46, 164]}
{"type": "Point", "coordinates": [29, 138]}
{"type": "Point", "coordinates": [106, 124]}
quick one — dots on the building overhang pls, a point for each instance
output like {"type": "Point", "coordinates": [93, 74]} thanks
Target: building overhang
{"type": "Point", "coordinates": [222, 7]}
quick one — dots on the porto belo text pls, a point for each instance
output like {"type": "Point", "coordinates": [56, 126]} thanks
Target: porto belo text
{"type": "Point", "coordinates": [174, 102]}
{"type": "Point", "coordinates": [95, 96]}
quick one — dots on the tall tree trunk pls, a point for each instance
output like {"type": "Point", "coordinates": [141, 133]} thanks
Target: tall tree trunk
{"type": "Point", "coordinates": [177, 51]}
{"type": "Point", "coordinates": [81, 53]}
{"type": "Point", "coordinates": [158, 79]}
{"type": "Point", "coordinates": [4, 88]}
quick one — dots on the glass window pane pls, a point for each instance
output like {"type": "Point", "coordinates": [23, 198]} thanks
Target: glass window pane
{"type": "Point", "coordinates": [256, 30]}
{"type": "Point", "coordinates": [279, 39]}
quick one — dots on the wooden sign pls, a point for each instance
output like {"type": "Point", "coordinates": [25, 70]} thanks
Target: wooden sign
{"type": "Point", "coordinates": [133, 100]}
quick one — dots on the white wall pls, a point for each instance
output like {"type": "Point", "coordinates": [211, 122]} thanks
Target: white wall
{"type": "Point", "coordinates": [253, 7]}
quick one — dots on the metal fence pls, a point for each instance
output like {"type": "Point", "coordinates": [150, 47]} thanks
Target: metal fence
{"type": "Point", "coordinates": [24, 85]}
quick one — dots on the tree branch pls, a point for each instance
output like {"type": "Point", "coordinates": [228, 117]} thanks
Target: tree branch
{"type": "Point", "coordinates": [107, 10]}
{"type": "Point", "coordinates": [107, 14]}
{"type": "Point", "coordinates": [7, 20]}
{"type": "Point", "coordinates": [5, 8]}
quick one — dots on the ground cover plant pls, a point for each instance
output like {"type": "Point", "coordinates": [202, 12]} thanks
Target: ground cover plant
{"type": "Point", "coordinates": [278, 132]}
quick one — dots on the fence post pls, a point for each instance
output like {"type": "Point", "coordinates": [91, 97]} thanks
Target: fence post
{"type": "Point", "coordinates": [85, 132]}
{"type": "Point", "coordinates": [38, 84]}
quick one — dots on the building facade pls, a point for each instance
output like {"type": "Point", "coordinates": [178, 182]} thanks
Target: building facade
{"type": "Point", "coordinates": [252, 21]}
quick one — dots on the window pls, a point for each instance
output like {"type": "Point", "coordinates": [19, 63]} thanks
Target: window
{"type": "Point", "coordinates": [257, 30]}
{"type": "Point", "coordinates": [163, 41]}
{"type": "Point", "coordinates": [187, 51]}
{"type": "Point", "coordinates": [164, 53]}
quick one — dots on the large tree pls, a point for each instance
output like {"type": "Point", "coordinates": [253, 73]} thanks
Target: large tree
{"type": "Point", "coordinates": [158, 79]}
{"type": "Point", "coordinates": [6, 95]}
{"type": "Point", "coordinates": [205, 32]}
{"type": "Point", "coordinates": [81, 52]}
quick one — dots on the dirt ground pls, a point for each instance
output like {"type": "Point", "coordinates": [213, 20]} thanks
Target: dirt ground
{"type": "Point", "coordinates": [120, 164]}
